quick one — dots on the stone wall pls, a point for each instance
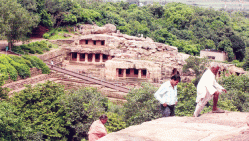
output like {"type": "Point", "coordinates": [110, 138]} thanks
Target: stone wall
{"type": "Point", "coordinates": [214, 55]}
{"type": "Point", "coordinates": [33, 72]}
{"type": "Point", "coordinates": [57, 55]}
{"type": "Point", "coordinates": [153, 70]}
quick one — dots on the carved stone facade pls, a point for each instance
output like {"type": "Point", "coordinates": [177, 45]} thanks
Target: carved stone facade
{"type": "Point", "coordinates": [140, 69]}
{"type": "Point", "coordinates": [122, 56]}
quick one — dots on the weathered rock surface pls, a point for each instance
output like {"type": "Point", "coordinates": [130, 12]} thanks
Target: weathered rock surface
{"type": "Point", "coordinates": [208, 127]}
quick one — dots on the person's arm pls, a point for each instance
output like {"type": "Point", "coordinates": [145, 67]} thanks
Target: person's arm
{"type": "Point", "coordinates": [209, 83]}
{"type": "Point", "coordinates": [219, 87]}
{"type": "Point", "coordinates": [159, 95]}
{"type": "Point", "coordinates": [176, 99]}
{"type": "Point", "coordinates": [100, 130]}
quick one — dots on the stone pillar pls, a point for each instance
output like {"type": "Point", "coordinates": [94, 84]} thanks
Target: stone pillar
{"type": "Point", "coordinates": [86, 57]}
{"type": "Point", "coordinates": [147, 74]}
{"type": "Point", "coordinates": [101, 58]}
{"type": "Point", "coordinates": [78, 57]}
{"type": "Point", "coordinates": [93, 59]}
{"type": "Point", "coordinates": [124, 73]}
{"type": "Point", "coordinates": [139, 73]}
{"type": "Point", "coordinates": [109, 57]}
{"type": "Point", "coordinates": [117, 70]}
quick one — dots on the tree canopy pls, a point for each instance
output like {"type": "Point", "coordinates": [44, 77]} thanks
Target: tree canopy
{"type": "Point", "coordinates": [189, 28]}
{"type": "Point", "coordinates": [16, 21]}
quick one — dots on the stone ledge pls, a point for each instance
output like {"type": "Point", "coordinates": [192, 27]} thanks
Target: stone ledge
{"type": "Point", "coordinates": [226, 126]}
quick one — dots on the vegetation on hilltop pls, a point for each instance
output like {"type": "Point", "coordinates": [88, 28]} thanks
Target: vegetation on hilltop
{"type": "Point", "coordinates": [12, 66]}
{"type": "Point", "coordinates": [189, 28]}
{"type": "Point", "coordinates": [32, 48]}
{"type": "Point", "coordinates": [48, 112]}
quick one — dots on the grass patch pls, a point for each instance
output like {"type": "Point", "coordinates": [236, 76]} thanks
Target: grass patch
{"type": "Point", "coordinates": [33, 48]}
{"type": "Point", "coordinates": [58, 33]}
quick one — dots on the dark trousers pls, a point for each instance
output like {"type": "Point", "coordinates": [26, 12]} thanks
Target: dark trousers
{"type": "Point", "coordinates": [169, 110]}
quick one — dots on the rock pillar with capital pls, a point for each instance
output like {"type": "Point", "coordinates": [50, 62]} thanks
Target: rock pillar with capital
{"type": "Point", "coordinates": [86, 57]}
{"type": "Point", "coordinates": [78, 57]}
{"type": "Point", "coordinates": [93, 59]}
{"type": "Point", "coordinates": [101, 58]}
{"type": "Point", "coordinates": [124, 73]}
{"type": "Point", "coordinates": [109, 57]}
{"type": "Point", "coordinates": [139, 73]}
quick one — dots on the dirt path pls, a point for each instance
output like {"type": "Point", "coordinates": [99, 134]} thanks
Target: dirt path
{"type": "Point", "coordinates": [4, 43]}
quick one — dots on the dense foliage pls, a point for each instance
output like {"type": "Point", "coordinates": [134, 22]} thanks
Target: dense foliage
{"type": "Point", "coordinates": [16, 21]}
{"type": "Point", "coordinates": [189, 28]}
{"type": "Point", "coordinates": [196, 64]}
{"type": "Point", "coordinates": [32, 48]}
{"type": "Point", "coordinates": [12, 66]}
{"type": "Point", "coordinates": [141, 105]}
{"type": "Point", "coordinates": [47, 111]}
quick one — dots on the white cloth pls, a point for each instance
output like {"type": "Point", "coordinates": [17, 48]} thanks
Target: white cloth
{"type": "Point", "coordinates": [166, 94]}
{"type": "Point", "coordinates": [97, 131]}
{"type": "Point", "coordinates": [207, 83]}
{"type": "Point", "coordinates": [206, 88]}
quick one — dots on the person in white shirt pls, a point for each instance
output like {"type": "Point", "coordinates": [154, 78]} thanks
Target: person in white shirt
{"type": "Point", "coordinates": [52, 63]}
{"type": "Point", "coordinates": [167, 96]}
{"type": "Point", "coordinates": [208, 89]}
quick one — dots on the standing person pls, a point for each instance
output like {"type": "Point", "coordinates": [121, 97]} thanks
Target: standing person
{"type": "Point", "coordinates": [52, 63]}
{"type": "Point", "coordinates": [167, 96]}
{"type": "Point", "coordinates": [207, 89]}
{"type": "Point", "coordinates": [97, 129]}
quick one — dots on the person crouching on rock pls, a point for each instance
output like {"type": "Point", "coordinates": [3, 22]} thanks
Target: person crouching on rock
{"type": "Point", "coordinates": [167, 96]}
{"type": "Point", "coordinates": [97, 129]}
{"type": "Point", "coordinates": [208, 89]}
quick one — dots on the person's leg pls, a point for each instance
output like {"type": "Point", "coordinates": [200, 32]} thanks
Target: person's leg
{"type": "Point", "coordinates": [215, 101]}
{"type": "Point", "coordinates": [172, 110]}
{"type": "Point", "coordinates": [164, 110]}
{"type": "Point", "coordinates": [199, 107]}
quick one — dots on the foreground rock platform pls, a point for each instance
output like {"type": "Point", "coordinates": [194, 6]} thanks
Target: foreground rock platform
{"type": "Point", "coordinates": [229, 126]}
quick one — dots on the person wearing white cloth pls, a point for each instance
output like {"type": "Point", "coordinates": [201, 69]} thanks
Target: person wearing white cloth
{"type": "Point", "coordinates": [167, 96]}
{"type": "Point", "coordinates": [207, 89]}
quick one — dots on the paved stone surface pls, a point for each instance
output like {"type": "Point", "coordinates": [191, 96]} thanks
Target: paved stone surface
{"type": "Point", "coordinates": [229, 126]}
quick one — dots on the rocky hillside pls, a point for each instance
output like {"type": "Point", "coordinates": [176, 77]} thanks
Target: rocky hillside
{"type": "Point", "coordinates": [229, 126]}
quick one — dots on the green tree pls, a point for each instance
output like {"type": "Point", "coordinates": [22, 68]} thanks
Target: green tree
{"type": "Point", "coordinates": [186, 99]}
{"type": "Point", "coordinates": [246, 65]}
{"type": "Point", "coordinates": [198, 65]}
{"type": "Point", "coordinates": [82, 107]}
{"type": "Point", "coordinates": [141, 105]}
{"type": "Point", "coordinates": [238, 46]}
{"type": "Point", "coordinates": [238, 91]}
{"type": "Point", "coordinates": [15, 21]}
{"type": "Point", "coordinates": [12, 126]}
{"type": "Point", "coordinates": [41, 109]}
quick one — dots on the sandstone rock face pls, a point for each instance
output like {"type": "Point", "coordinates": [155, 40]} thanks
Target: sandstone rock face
{"type": "Point", "coordinates": [108, 28]}
{"type": "Point", "coordinates": [207, 127]}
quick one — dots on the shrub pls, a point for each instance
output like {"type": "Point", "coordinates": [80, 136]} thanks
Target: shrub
{"type": "Point", "coordinates": [82, 108]}
{"type": "Point", "coordinates": [11, 123]}
{"type": "Point", "coordinates": [115, 122]}
{"type": "Point", "coordinates": [12, 72]}
{"type": "Point", "coordinates": [38, 63]}
{"type": "Point", "coordinates": [186, 99]}
{"type": "Point", "coordinates": [40, 108]}
{"type": "Point", "coordinates": [238, 91]}
{"type": "Point", "coordinates": [23, 70]}
{"type": "Point", "coordinates": [46, 35]}
{"type": "Point", "coordinates": [141, 105]}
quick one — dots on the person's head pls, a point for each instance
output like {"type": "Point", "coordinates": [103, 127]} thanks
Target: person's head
{"type": "Point", "coordinates": [103, 118]}
{"type": "Point", "coordinates": [214, 67]}
{"type": "Point", "coordinates": [175, 79]}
